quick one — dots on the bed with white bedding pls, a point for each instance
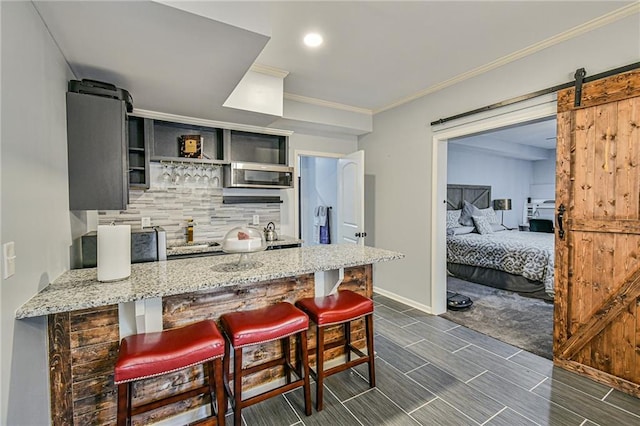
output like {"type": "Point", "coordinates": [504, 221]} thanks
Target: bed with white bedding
{"type": "Point", "coordinates": [526, 254]}
{"type": "Point", "coordinates": [480, 250]}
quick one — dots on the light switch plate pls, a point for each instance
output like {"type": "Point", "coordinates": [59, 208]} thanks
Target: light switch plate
{"type": "Point", "coordinates": [256, 219]}
{"type": "Point", "coordinates": [146, 222]}
{"type": "Point", "coordinates": [9, 259]}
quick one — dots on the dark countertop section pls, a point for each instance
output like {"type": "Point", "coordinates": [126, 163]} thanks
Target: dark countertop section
{"type": "Point", "coordinates": [212, 247]}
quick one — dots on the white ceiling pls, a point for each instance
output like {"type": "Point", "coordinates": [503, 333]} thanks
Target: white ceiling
{"type": "Point", "coordinates": [528, 141]}
{"type": "Point", "coordinates": [375, 53]}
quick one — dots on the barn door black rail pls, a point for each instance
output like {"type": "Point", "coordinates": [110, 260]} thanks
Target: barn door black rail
{"type": "Point", "coordinates": [553, 89]}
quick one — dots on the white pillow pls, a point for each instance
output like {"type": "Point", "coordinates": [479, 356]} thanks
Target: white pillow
{"type": "Point", "coordinates": [468, 210]}
{"type": "Point", "coordinates": [491, 215]}
{"type": "Point", "coordinates": [482, 224]}
{"type": "Point", "coordinates": [452, 218]}
{"type": "Point", "coordinates": [497, 227]}
{"type": "Point", "coordinates": [460, 230]}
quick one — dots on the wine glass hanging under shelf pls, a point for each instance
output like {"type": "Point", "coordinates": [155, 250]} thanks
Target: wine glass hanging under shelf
{"type": "Point", "coordinates": [190, 173]}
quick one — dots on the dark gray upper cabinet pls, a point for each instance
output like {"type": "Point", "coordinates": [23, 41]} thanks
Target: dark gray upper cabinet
{"type": "Point", "coordinates": [166, 142]}
{"type": "Point", "coordinates": [258, 147]}
{"type": "Point", "coordinates": [97, 152]}
{"type": "Point", "coordinates": [140, 134]}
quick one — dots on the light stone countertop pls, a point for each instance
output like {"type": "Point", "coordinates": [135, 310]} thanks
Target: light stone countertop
{"type": "Point", "coordinates": [80, 289]}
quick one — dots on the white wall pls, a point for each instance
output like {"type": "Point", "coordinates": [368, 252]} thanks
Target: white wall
{"type": "Point", "coordinates": [319, 188]}
{"type": "Point", "coordinates": [398, 152]}
{"type": "Point", "coordinates": [327, 189]}
{"type": "Point", "coordinates": [300, 142]}
{"type": "Point", "coordinates": [508, 177]}
{"type": "Point", "coordinates": [35, 201]}
{"type": "Point", "coordinates": [544, 171]}
{"type": "Point", "coordinates": [544, 179]}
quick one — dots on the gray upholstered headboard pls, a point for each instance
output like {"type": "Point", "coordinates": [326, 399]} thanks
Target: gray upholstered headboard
{"type": "Point", "coordinates": [478, 195]}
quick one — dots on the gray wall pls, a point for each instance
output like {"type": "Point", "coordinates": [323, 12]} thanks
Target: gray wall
{"type": "Point", "coordinates": [35, 202]}
{"type": "Point", "coordinates": [398, 152]}
{"type": "Point", "coordinates": [508, 177]}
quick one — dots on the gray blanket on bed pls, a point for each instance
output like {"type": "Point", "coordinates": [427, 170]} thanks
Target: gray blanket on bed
{"type": "Point", "coordinates": [529, 254]}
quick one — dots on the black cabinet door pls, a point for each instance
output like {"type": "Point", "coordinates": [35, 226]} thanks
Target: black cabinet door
{"type": "Point", "coordinates": [97, 152]}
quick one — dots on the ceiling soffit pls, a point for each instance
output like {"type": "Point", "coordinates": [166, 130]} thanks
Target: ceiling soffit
{"type": "Point", "coordinates": [157, 59]}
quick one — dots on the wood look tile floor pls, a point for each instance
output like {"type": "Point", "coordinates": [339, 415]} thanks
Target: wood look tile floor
{"type": "Point", "coordinates": [431, 371]}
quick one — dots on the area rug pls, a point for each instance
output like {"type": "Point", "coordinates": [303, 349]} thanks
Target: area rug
{"type": "Point", "coordinates": [523, 322]}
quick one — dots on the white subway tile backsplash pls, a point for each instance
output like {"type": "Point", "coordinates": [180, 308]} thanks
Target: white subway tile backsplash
{"type": "Point", "coordinates": [171, 207]}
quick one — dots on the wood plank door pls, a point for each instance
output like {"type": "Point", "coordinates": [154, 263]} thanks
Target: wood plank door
{"type": "Point", "coordinates": [597, 307]}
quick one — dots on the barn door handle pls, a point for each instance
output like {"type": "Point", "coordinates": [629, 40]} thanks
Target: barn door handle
{"type": "Point", "coordinates": [561, 211]}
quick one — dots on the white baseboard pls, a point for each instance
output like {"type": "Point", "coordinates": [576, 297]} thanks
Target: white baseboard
{"type": "Point", "coordinates": [412, 303]}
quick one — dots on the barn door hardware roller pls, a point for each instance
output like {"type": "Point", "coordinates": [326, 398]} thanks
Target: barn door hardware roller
{"type": "Point", "coordinates": [579, 76]}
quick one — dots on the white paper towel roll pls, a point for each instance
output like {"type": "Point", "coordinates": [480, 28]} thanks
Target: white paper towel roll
{"type": "Point", "coordinates": [114, 252]}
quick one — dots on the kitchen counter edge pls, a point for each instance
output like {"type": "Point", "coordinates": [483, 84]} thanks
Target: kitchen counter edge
{"type": "Point", "coordinates": [79, 288]}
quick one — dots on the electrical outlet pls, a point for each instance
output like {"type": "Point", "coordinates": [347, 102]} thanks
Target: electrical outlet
{"type": "Point", "coordinates": [9, 258]}
{"type": "Point", "coordinates": [146, 222]}
{"type": "Point", "coordinates": [256, 219]}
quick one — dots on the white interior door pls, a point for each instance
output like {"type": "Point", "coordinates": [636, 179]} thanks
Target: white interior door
{"type": "Point", "coordinates": [351, 198]}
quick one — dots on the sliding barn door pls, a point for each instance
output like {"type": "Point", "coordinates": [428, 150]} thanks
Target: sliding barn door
{"type": "Point", "coordinates": [597, 309]}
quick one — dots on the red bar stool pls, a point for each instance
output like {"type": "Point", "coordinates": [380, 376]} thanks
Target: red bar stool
{"type": "Point", "coordinates": [276, 322]}
{"type": "Point", "coordinates": [142, 356]}
{"type": "Point", "coordinates": [340, 308]}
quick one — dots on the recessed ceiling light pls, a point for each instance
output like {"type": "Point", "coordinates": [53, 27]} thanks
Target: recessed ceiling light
{"type": "Point", "coordinates": [313, 39]}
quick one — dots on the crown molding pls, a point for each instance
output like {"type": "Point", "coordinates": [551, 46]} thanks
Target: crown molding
{"type": "Point", "coordinates": [269, 70]}
{"type": "Point", "coordinates": [603, 20]}
{"type": "Point", "coordinates": [208, 123]}
{"type": "Point", "coordinates": [326, 104]}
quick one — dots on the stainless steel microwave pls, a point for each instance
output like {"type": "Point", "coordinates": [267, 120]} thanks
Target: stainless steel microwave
{"type": "Point", "coordinates": [258, 175]}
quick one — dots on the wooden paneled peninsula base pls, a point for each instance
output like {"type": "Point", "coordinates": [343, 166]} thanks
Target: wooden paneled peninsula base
{"type": "Point", "coordinates": [87, 318]}
{"type": "Point", "coordinates": [83, 347]}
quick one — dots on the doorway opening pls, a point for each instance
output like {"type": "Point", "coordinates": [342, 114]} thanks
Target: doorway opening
{"type": "Point", "coordinates": [333, 183]}
{"type": "Point", "coordinates": [507, 268]}
{"type": "Point", "coordinates": [317, 198]}
{"type": "Point", "coordinates": [536, 109]}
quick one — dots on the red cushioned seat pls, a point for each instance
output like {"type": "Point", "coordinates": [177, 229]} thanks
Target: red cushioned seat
{"type": "Point", "coordinates": [276, 322]}
{"type": "Point", "coordinates": [336, 308]}
{"type": "Point", "coordinates": [340, 308]}
{"type": "Point", "coordinates": [263, 325]}
{"type": "Point", "coordinates": [153, 354]}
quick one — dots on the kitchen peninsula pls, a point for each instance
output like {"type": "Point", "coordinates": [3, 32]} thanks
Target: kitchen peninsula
{"type": "Point", "coordinates": [87, 318]}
